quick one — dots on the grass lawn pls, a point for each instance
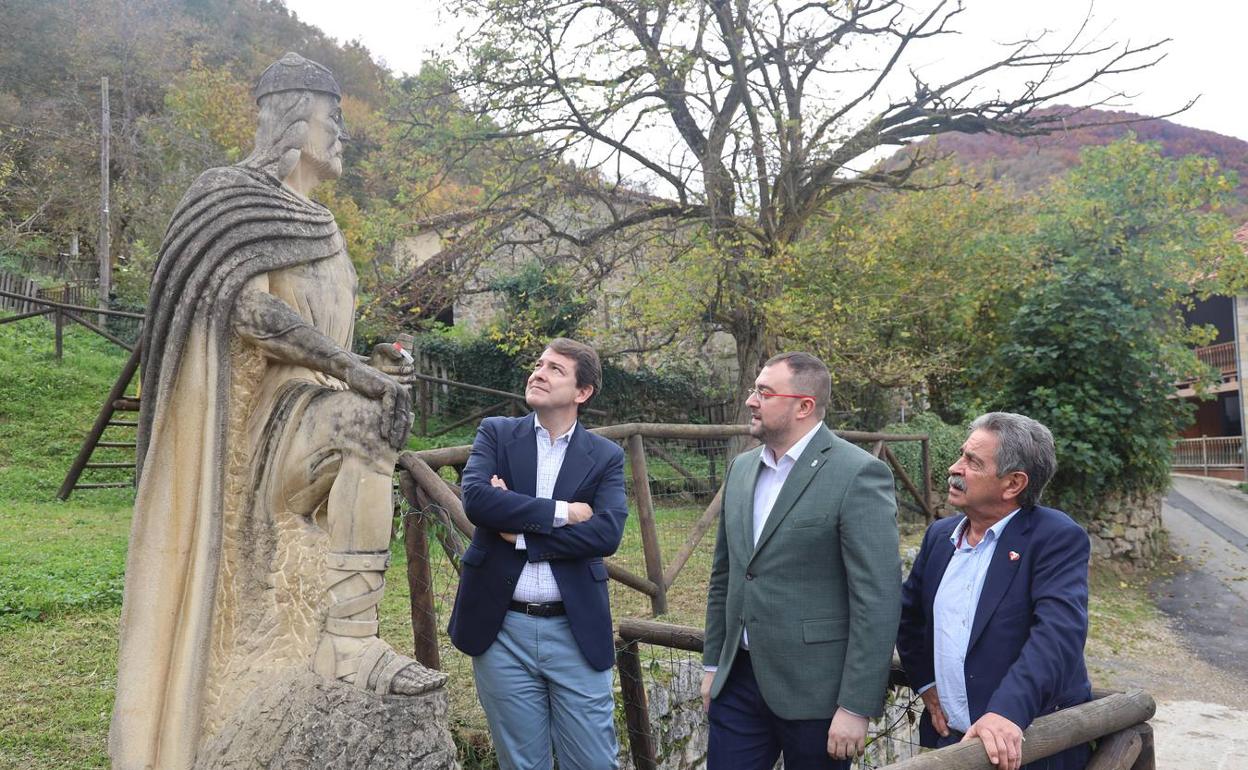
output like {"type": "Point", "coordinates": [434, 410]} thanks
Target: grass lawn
{"type": "Point", "coordinates": [61, 565]}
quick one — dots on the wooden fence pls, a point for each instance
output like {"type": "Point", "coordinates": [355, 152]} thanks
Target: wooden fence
{"type": "Point", "coordinates": [71, 292]}
{"type": "Point", "coordinates": [1117, 721]}
{"type": "Point", "coordinates": [425, 489]}
{"type": "Point", "coordinates": [65, 311]}
{"type": "Point", "coordinates": [16, 293]}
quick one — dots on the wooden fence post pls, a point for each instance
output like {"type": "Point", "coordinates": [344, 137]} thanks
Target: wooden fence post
{"type": "Point", "coordinates": [1147, 760]}
{"type": "Point", "coordinates": [60, 332]}
{"type": "Point", "coordinates": [419, 579]}
{"type": "Point", "coordinates": [636, 714]}
{"type": "Point", "coordinates": [424, 408]}
{"type": "Point", "coordinates": [645, 517]}
{"type": "Point", "coordinates": [926, 454]}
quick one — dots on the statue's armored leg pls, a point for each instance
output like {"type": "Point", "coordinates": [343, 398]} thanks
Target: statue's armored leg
{"type": "Point", "coordinates": [349, 648]}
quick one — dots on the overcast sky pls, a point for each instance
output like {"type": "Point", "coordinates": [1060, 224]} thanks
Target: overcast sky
{"type": "Point", "coordinates": [1206, 57]}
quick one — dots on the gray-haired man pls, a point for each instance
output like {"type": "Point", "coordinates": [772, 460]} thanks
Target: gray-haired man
{"type": "Point", "coordinates": [995, 611]}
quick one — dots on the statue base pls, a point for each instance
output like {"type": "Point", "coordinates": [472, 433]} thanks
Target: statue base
{"type": "Point", "coordinates": [302, 720]}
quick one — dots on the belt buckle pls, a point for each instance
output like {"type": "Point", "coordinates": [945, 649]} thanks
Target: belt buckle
{"type": "Point", "coordinates": [534, 608]}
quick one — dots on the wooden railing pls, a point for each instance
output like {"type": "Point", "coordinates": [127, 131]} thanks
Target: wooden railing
{"type": "Point", "coordinates": [64, 311]}
{"type": "Point", "coordinates": [1220, 356]}
{"type": "Point", "coordinates": [1117, 721]}
{"type": "Point", "coordinates": [1220, 452]}
{"type": "Point", "coordinates": [426, 490]}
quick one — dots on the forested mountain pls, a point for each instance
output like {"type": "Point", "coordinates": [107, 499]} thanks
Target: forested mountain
{"type": "Point", "coordinates": [1031, 162]}
{"type": "Point", "coordinates": [180, 76]}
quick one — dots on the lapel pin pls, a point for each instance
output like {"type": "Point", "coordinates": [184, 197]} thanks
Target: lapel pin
{"type": "Point", "coordinates": [1013, 555]}
{"type": "Point", "coordinates": [813, 463]}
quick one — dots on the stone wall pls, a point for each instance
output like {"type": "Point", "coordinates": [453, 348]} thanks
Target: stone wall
{"type": "Point", "coordinates": [1128, 528]}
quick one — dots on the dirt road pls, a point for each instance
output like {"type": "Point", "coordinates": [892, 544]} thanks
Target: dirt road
{"type": "Point", "coordinates": [1201, 683]}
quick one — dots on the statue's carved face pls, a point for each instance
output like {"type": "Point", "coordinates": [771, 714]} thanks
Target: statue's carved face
{"type": "Point", "coordinates": [323, 146]}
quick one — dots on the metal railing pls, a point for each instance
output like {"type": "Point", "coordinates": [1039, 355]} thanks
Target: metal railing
{"type": "Point", "coordinates": [1205, 453]}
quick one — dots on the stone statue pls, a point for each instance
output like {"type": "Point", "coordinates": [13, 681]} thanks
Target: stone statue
{"type": "Point", "coordinates": [262, 520]}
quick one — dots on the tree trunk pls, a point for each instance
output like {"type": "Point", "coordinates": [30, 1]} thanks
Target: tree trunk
{"type": "Point", "coordinates": [751, 353]}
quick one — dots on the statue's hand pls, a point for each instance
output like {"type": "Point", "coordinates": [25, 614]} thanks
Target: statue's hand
{"type": "Point", "coordinates": [390, 360]}
{"type": "Point", "coordinates": [396, 401]}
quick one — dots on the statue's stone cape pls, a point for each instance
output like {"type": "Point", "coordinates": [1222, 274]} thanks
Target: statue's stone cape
{"type": "Point", "coordinates": [233, 225]}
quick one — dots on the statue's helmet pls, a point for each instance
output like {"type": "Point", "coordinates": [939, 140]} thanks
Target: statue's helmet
{"type": "Point", "coordinates": [293, 72]}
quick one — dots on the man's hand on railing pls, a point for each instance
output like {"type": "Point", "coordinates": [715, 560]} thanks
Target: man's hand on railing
{"type": "Point", "coordinates": [1003, 740]}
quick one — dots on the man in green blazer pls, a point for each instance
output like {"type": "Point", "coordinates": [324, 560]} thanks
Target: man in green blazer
{"type": "Point", "coordinates": [805, 591]}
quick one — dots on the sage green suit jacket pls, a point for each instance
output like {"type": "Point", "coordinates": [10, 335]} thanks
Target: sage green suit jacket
{"type": "Point", "coordinates": [821, 591]}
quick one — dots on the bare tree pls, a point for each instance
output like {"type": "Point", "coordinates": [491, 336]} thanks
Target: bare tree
{"type": "Point", "coordinates": [741, 118]}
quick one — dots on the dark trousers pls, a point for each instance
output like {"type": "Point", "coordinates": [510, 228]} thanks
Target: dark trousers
{"type": "Point", "coordinates": [746, 735]}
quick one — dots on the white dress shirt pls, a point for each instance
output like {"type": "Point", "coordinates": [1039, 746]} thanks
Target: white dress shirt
{"type": "Point", "coordinates": [537, 581]}
{"type": "Point", "coordinates": [953, 615]}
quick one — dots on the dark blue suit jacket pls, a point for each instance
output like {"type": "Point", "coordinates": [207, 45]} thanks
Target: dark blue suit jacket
{"type": "Point", "coordinates": [1025, 656]}
{"type": "Point", "coordinates": [593, 473]}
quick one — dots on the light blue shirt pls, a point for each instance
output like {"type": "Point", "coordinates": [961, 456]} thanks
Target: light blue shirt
{"type": "Point", "coordinates": [953, 615]}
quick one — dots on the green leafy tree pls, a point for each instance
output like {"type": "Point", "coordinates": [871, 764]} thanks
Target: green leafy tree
{"type": "Point", "coordinates": [896, 291]}
{"type": "Point", "coordinates": [538, 305]}
{"type": "Point", "coordinates": [1095, 346]}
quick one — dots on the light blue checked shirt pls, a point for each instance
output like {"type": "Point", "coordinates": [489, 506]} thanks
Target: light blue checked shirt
{"type": "Point", "coordinates": [953, 614]}
{"type": "Point", "coordinates": [537, 581]}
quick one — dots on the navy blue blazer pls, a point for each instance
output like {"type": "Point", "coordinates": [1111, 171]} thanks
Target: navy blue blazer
{"type": "Point", "coordinates": [593, 473]}
{"type": "Point", "coordinates": [1025, 656]}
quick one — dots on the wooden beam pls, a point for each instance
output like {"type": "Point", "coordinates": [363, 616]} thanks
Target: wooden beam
{"type": "Point", "coordinates": [477, 415]}
{"type": "Point", "coordinates": [649, 529]}
{"type": "Point", "coordinates": [688, 638]}
{"type": "Point", "coordinates": [663, 455]}
{"type": "Point", "coordinates": [459, 455]}
{"type": "Point", "coordinates": [1117, 752]}
{"type": "Point", "coordinates": [106, 335]}
{"type": "Point", "coordinates": [636, 714]}
{"type": "Point", "coordinates": [907, 483]}
{"type": "Point", "coordinates": [24, 316]}
{"type": "Point", "coordinates": [1049, 734]}
{"type": "Point", "coordinates": [101, 422]}
{"type": "Point", "coordinates": [1147, 760]}
{"type": "Point", "coordinates": [695, 536]}
{"type": "Point", "coordinates": [419, 580]}
{"type": "Point", "coordinates": [440, 493]}
{"type": "Point", "coordinates": [66, 306]}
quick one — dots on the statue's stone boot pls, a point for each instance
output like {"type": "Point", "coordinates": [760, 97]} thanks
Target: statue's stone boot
{"type": "Point", "coordinates": [349, 648]}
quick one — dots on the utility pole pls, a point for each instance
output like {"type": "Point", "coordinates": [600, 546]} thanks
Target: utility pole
{"type": "Point", "coordinates": [106, 264]}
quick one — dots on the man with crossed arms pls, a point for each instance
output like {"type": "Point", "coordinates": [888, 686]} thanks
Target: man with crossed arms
{"type": "Point", "coordinates": [547, 498]}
